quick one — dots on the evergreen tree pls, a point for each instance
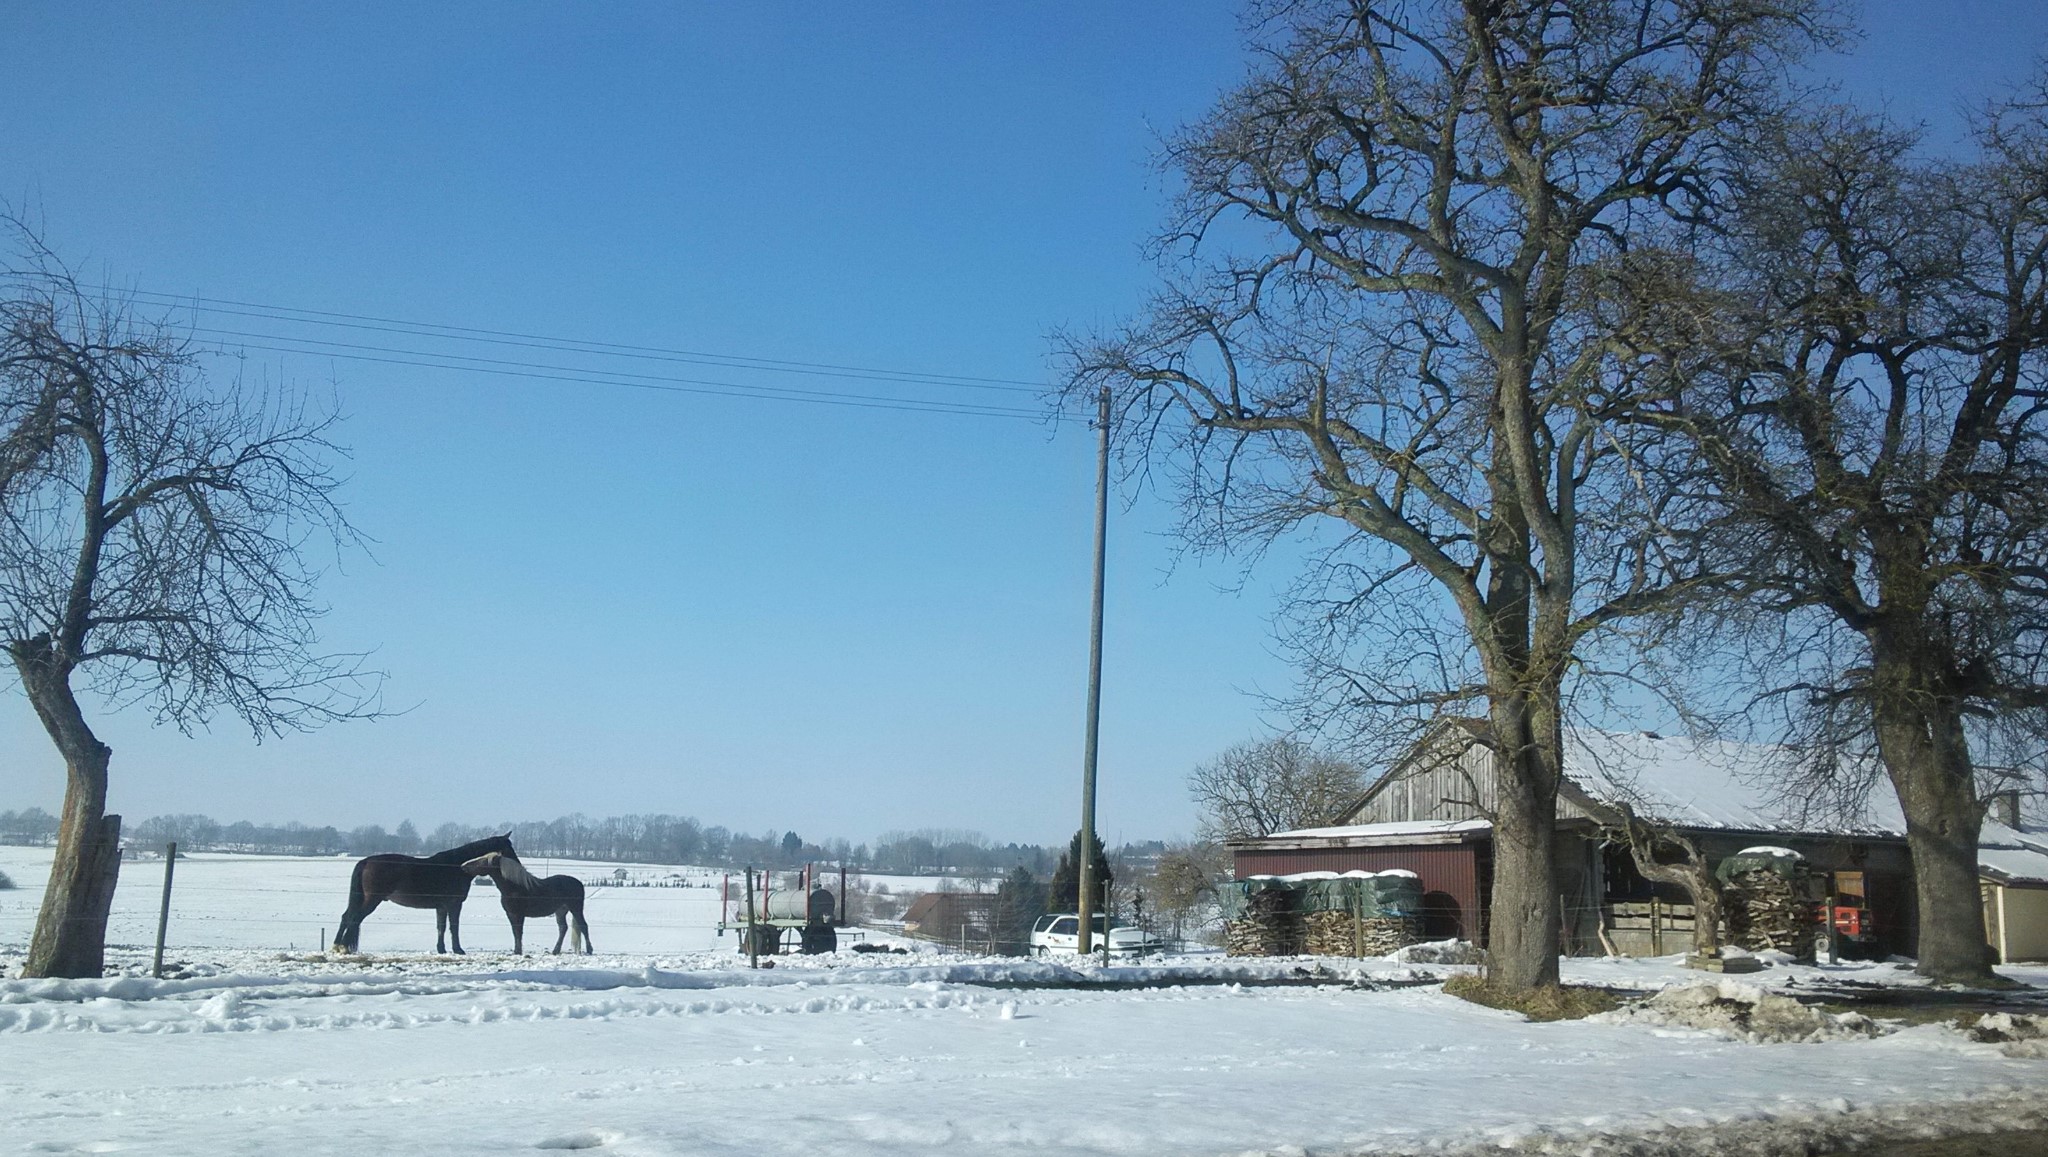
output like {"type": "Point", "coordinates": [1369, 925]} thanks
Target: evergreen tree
{"type": "Point", "coordinates": [1020, 901]}
{"type": "Point", "coordinates": [1066, 879]}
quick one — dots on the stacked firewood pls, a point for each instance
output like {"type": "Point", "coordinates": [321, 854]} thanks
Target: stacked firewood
{"type": "Point", "coordinates": [1341, 934]}
{"type": "Point", "coordinates": [1269, 926]}
{"type": "Point", "coordinates": [1765, 911]}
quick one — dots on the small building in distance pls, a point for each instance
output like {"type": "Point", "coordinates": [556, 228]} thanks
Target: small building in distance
{"type": "Point", "coordinates": [1428, 814]}
{"type": "Point", "coordinates": [2012, 864]}
{"type": "Point", "coordinates": [961, 919]}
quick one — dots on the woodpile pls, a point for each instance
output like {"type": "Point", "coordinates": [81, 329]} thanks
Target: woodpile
{"type": "Point", "coordinates": [1269, 926]}
{"type": "Point", "coordinates": [1340, 934]}
{"type": "Point", "coordinates": [1765, 911]}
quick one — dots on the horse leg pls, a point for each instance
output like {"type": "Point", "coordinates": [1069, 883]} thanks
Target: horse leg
{"type": "Point", "coordinates": [562, 928]}
{"type": "Point", "coordinates": [455, 927]}
{"type": "Point", "coordinates": [518, 932]}
{"type": "Point", "coordinates": [440, 931]}
{"type": "Point", "coordinates": [350, 931]}
{"type": "Point", "coordinates": [582, 929]}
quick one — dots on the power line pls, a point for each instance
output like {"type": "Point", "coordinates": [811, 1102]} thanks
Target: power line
{"type": "Point", "coordinates": [607, 374]}
{"type": "Point", "coordinates": [436, 330]}
{"type": "Point", "coordinates": [715, 389]}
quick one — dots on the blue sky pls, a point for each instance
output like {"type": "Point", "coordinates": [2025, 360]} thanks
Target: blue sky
{"type": "Point", "coordinates": [606, 600]}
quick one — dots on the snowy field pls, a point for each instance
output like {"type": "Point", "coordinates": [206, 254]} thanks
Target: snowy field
{"type": "Point", "coordinates": [289, 902]}
{"type": "Point", "coordinates": [666, 1044]}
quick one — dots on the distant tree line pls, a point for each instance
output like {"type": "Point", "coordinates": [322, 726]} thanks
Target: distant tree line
{"type": "Point", "coordinates": [641, 839]}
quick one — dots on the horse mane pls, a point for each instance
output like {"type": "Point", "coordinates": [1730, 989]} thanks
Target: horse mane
{"type": "Point", "coordinates": [511, 871]}
{"type": "Point", "coordinates": [473, 849]}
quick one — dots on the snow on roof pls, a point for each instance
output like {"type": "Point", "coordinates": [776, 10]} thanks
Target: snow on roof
{"type": "Point", "coordinates": [2016, 855]}
{"type": "Point", "coordinates": [1708, 784]}
{"type": "Point", "coordinates": [1407, 828]}
{"type": "Point", "coordinates": [2014, 865]}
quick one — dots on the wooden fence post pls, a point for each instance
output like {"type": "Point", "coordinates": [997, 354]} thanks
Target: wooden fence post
{"type": "Point", "coordinates": [163, 916]}
{"type": "Point", "coordinates": [753, 933]}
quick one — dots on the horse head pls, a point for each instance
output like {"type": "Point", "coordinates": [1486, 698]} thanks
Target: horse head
{"type": "Point", "coordinates": [483, 865]}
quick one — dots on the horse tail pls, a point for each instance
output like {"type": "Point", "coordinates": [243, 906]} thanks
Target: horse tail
{"type": "Point", "coordinates": [352, 918]}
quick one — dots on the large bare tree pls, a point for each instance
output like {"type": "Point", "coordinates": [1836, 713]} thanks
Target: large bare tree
{"type": "Point", "coordinates": [1277, 785]}
{"type": "Point", "coordinates": [1879, 436]}
{"type": "Point", "coordinates": [1397, 238]}
{"type": "Point", "coordinates": [160, 539]}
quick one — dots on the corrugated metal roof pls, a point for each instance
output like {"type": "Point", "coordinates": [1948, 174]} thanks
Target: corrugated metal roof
{"type": "Point", "coordinates": [1709, 784]}
{"type": "Point", "coordinates": [1702, 784]}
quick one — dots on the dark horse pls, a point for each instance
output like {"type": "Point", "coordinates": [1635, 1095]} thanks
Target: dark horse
{"type": "Point", "coordinates": [523, 896]}
{"type": "Point", "coordinates": [435, 881]}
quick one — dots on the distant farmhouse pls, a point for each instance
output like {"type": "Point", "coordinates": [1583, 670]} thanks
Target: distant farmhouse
{"type": "Point", "coordinates": [1427, 814]}
{"type": "Point", "coordinates": [962, 919]}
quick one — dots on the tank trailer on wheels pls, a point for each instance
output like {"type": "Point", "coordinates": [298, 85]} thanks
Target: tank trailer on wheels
{"type": "Point", "coordinates": [765, 917]}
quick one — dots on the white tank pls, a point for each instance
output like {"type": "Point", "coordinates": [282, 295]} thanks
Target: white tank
{"type": "Point", "coordinates": [817, 908]}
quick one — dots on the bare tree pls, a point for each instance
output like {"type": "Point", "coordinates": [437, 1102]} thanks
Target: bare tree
{"type": "Point", "coordinates": [159, 543]}
{"type": "Point", "coordinates": [1256, 789]}
{"type": "Point", "coordinates": [1879, 436]}
{"type": "Point", "coordinates": [1401, 234]}
{"type": "Point", "coordinates": [1183, 885]}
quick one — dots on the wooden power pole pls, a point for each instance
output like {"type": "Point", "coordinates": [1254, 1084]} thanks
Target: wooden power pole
{"type": "Point", "coordinates": [1086, 869]}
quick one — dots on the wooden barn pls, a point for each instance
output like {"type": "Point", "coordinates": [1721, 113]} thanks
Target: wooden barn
{"type": "Point", "coordinates": [1428, 812]}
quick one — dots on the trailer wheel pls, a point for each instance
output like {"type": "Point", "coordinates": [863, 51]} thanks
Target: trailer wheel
{"type": "Point", "coordinates": [819, 938]}
{"type": "Point", "coordinates": [766, 939]}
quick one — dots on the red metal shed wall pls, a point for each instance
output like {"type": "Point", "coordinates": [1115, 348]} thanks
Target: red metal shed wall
{"type": "Point", "coordinates": [1452, 887]}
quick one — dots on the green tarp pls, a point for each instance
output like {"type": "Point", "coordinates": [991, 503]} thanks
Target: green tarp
{"type": "Point", "coordinates": [1386, 894]}
{"type": "Point", "coordinates": [1783, 861]}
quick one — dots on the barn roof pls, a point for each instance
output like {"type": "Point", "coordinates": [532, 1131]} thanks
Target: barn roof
{"type": "Point", "coordinates": [1702, 785]}
{"type": "Point", "coordinates": [1713, 784]}
{"type": "Point", "coordinates": [2013, 855]}
{"type": "Point", "coordinates": [1369, 835]}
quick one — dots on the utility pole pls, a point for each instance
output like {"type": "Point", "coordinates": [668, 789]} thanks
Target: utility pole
{"type": "Point", "coordinates": [1086, 868]}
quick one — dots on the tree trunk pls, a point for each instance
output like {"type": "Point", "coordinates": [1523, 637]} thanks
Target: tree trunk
{"type": "Point", "coordinates": [1522, 926]}
{"type": "Point", "coordinates": [1692, 873]}
{"type": "Point", "coordinates": [1929, 763]}
{"type": "Point", "coordinates": [1698, 882]}
{"type": "Point", "coordinates": [71, 930]}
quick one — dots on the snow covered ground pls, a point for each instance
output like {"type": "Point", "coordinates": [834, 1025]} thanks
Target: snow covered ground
{"type": "Point", "coordinates": [667, 1044]}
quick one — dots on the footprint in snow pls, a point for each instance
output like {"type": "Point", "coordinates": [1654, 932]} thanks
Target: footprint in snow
{"type": "Point", "coordinates": [587, 1139]}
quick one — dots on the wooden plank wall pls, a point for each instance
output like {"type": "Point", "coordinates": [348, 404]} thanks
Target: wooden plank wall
{"type": "Point", "coordinates": [1450, 786]}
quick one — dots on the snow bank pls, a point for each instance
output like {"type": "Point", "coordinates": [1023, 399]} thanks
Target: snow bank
{"type": "Point", "coordinates": [1837, 1127]}
{"type": "Point", "coordinates": [1743, 1012]}
{"type": "Point", "coordinates": [2020, 1035]}
{"type": "Point", "coordinates": [917, 1056]}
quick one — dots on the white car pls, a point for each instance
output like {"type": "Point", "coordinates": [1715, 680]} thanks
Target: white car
{"type": "Point", "coordinates": [1059, 934]}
